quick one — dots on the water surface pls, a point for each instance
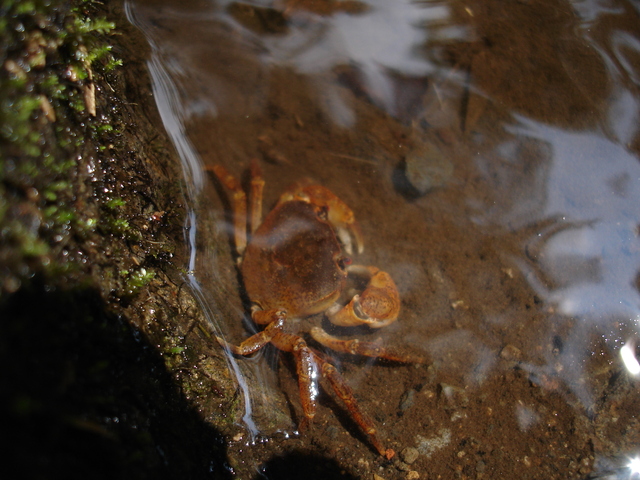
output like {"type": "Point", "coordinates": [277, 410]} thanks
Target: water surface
{"type": "Point", "coordinates": [490, 153]}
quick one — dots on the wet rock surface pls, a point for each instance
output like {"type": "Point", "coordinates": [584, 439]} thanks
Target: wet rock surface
{"type": "Point", "coordinates": [96, 329]}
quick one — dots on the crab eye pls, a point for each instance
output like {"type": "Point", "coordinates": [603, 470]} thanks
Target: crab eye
{"type": "Point", "coordinates": [323, 212]}
{"type": "Point", "coordinates": [344, 262]}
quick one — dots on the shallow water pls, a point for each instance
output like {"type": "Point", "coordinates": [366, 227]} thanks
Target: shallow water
{"type": "Point", "coordinates": [490, 153]}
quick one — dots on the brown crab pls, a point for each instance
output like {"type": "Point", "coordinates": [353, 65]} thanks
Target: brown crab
{"type": "Point", "coordinates": [293, 266]}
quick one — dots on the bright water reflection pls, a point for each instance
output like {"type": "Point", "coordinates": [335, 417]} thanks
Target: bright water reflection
{"type": "Point", "coordinates": [594, 258]}
{"type": "Point", "coordinates": [381, 44]}
{"type": "Point", "coordinates": [527, 257]}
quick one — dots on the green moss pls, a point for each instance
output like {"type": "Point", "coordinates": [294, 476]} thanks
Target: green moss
{"type": "Point", "coordinates": [112, 64]}
{"type": "Point", "coordinates": [49, 51]}
{"type": "Point", "coordinates": [114, 203]}
{"type": "Point", "coordinates": [107, 128]}
{"type": "Point", "coordinates": [135, 280]}
{"type": "Point", "coordinates": [30, 245]}
{"type": "Point", "coordinates": [30, 37]}
{"type": "Point", "coordinates": [119, 226]}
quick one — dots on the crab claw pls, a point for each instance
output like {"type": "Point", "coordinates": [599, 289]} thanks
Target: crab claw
{"type": "Point", "coordinates": [378, 306]}
{"type": "Point", "coordinates": [339, 215]}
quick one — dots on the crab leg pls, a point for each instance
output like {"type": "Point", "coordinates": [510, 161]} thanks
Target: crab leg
{"type": "Point", "coordinates": [265, 317]}
{"type": "Point", "coordinates": [356, 347]}
{"type": "Point", "coordinates": [306, 368]}
{"type": "Point", "coordinates": [345, 393]}
{"type": "Point", "coordinates": [307, 362]}
{"type": "Point", "coordinates": [378, 306]}
{"type": "Point", "coordinates": [255, 205]}
{"type": "Point", "coordinates": [239, 206]}
{"type": "Point", "coordinates": [257, 341]}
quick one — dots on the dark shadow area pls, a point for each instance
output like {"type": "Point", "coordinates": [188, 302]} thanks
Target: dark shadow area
{"type": "Point", "coordinates": [402, 184]}
{"type": "Point", "coordinates": [297, 465]}
{"type": "Point", "coordinates": [86, 396]}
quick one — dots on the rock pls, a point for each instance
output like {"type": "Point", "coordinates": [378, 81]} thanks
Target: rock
{"type": "Point", "coordinates": [510, 352]}
{"type": "Point", "coordinates": [407, 400]}
{"type": "Point", "coordinates": [409, 455]}
{"type": "Point", "coordinates": [426, 168]}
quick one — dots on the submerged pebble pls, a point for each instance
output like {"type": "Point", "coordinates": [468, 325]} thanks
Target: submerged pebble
{"type": "Point", "coordinates": [511, 353]}
{"type": "Point", "coordinates": [409, 455]}
{"type": "Point", "coordinates": [426, 168]}
{"type": "Point", "coordinates": [406, 401]}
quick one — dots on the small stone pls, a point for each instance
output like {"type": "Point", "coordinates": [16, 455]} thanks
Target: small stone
{"type": "Point", "coordinates": [409, 455]}
{"type": "Point", "coordinates": [426, 167]}
{"type": "Point", "coordinates": [407, 400]}
{"type": "Point", "coordinates": [377, 477]}
{"type": "Point", "coordinates": [511, 352]}
{"type": "Point", "coordinates": [412, 475]}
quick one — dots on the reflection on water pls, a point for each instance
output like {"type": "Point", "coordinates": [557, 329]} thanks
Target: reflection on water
{"type": "Point", "coordinates": [588, 267]}
{"type": "Point", "coordinates": [379, 46]}
{"type": "Point", "coordinates": [490, 151]}
{"type": "Point", "coordinates": [628, 356]}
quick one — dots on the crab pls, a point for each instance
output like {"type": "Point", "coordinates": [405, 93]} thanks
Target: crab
{"type": "Point", "coordinates": [295, 264]}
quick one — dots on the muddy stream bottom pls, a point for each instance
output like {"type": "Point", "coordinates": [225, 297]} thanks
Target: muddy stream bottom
{"type": "Point", "coordinates": [489, 152]}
